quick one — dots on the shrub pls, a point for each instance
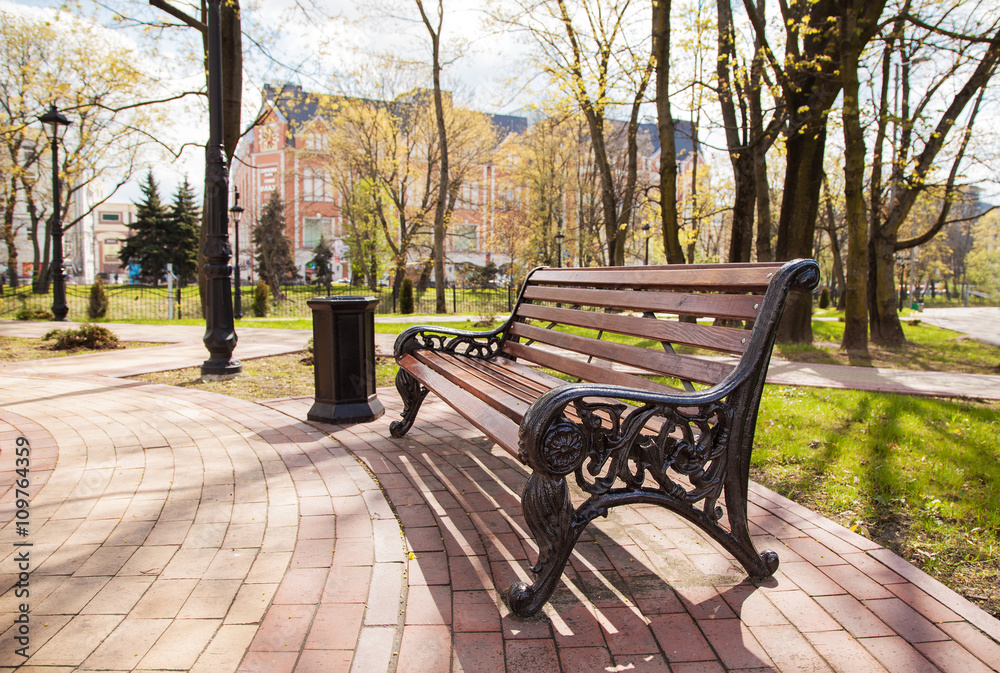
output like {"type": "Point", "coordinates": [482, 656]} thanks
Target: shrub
{"type": "Point", "coordinates": [33, 314]}
{"type": "Point", "coordinates": [92, 337]}
{"type": "Point", "coordinates": [824, 298]}
{"type": "Point", "coordinates": [98, 307]}
{"type": "Point", "coordinates": [261, 294]}
{"type": "Point", "coordinates": [406, 296]}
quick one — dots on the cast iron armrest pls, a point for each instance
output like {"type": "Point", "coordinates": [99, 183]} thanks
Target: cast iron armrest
{"type": "Point", "coordinates": [482, 345]}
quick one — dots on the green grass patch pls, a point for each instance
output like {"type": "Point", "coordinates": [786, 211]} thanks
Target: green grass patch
{"type": "Point", "coordinates": [927, 348]}
{"type": "Point", "coordinates": [920, 476]}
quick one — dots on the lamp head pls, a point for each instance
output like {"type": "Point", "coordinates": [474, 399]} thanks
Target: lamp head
{"type": "Point", "coordinates": [54, 123]}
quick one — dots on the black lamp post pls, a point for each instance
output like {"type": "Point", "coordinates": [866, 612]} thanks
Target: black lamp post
{"type": "Point", "coordinates": [220, 330]}
{"type": "Point", "coordinates": [55, 125]}
{"type": "Point", "coordinates": [559, 240]}
{"type": "Point", "coordinates": [237, 214]}
{"type": "Point", "coordinates": [645, 232]}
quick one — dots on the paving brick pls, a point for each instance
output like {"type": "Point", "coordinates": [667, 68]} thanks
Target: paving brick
{"type": "Point", "coordinates": [302, 586]}
{"type": "Point", "coordinates": [811, 580]}
{"type": "Point", "coordinates": [336, 626]}
{"type": "Point", "coordinates": [76, 640]}
{"type": "Point", "coordinates": [854, 616]}
{"type": "Point", "coordinates": [905, 621]}
{"type": "Point", "coordinates": [924, 604]}
{"type": "Point", "coordinates": [951, 657]}
{"type": "Point", "coordinates": [585, 659]}
{"type": "Point", "coordinates": [475, 652]}
{"type": "Point", "coordinates": [284, 628]}
{"type": "Point", "coordinates": [734, 643]}
{"type": "Point", "coordinates": [530, 656]}
{"type": "Point", "coordinates": [704, 602]}
{"type": "Point", "coordinates": [429, 605]}
{"type": "Point", "coordinates": [118, 596]}
{"type": "Point", "coordinates": [789, 650]}
{"type": "Point", "coordinates": [857, 583]}
{"type": "Point", "coordinates": [752, 606]}
{"type": "Point", "coordinates": [843, 652]}
{"type": "Point", "coordinates": [897, 655]}
{"type": "Point", "coordinates": [803, 611]}
{"type": "Point", "coordinates": [126, 645]}
{"type": "Point", "coordinates": [972, 639]}
{"type": "Point", "coordinates": [324, 661]}
{"type": "Point", "coordinates": [226, 649]}
{"type": "Point", "coordinates": [384, 604]}
{"type": "Point", "coordinates": [251, 603]}
{"type": "Point", "coordinates": [425, 649]}
{"type": "Point", "coordinates": [680, 638]}
{"type": "Point", "coordinates": [180, 645]}
{"type": "Point", "coordinates": [164, 598]}
{"type": "Point", "coordinates": [375, 649]}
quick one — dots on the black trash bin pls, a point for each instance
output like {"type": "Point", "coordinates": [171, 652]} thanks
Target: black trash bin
{"type": "Point", "coordinates": [344, 360]}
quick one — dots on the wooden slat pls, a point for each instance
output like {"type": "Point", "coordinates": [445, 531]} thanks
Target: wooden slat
{"type": "Point", "coordinates": [582, 370]}
{"type": "Point", "coordinates": [737, 306]}
{"type": "Point", "coordinates": [752, 278]}
{"type": "Point", "coordinates": [530, 373]}
{"type": "Point", "coordinates": [704, 336]}
{"type": "Point", "coordinates": [511, 406]}
{"type": "Point", "coordinates": [491, 422]}
{"type": "Point", "coordinates": [691, 369]}
{"type": "Point", "coordinates": [509, 378]}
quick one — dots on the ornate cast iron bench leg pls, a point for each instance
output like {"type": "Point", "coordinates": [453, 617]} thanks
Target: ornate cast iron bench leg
{"type": "Point", "coordinates": [412, 394]}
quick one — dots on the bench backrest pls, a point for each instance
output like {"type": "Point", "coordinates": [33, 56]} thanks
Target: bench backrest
{"type": "Point", "coordinates": [617, 325]}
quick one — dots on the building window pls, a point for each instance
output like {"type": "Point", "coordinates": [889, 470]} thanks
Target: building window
{"type": "Point", "coordinates": [268, 176]}
{"type": "Point", "coordinates": [315, 227]}
{"type": "Point", "coordinates": [111, 217]}
{"type": "Point", "coordinates": [464, 238]}
{"type": "Point", "coordinates": [314, 187]}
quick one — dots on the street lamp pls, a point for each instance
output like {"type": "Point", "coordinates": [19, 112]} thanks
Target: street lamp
{"type": "Point", "coordinates": [220, 330]}
{"type": "Point", "coordinates": [237, 214]}
{"type": "Point", "coordinates": [645, 232]}
{"type": "Point", "coordinates": [55, 125]}
{"type": "Point", "coordinates": [559, 240]}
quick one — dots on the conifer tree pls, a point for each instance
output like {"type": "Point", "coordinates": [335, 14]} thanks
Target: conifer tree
{"type": "Point", "coordinates": [323, 256]}
{"type": "Point", "coordinates": [147, 244]}
{"type": "Point", "coordinates": [182, 235]}
{"type": "Point", "coordinates": [274, 251]}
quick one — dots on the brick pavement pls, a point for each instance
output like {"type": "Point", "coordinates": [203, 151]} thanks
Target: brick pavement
{"type": "Point", "coordinates": [178, 530]}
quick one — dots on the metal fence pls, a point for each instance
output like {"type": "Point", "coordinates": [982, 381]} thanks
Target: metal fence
{"type": "Point", "coordinates": [143, 302]}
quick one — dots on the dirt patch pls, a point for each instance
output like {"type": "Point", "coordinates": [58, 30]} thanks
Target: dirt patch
{"type": "Point", "coordinates": [21, 349]}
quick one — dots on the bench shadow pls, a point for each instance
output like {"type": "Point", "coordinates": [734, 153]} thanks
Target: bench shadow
{"type": "Point", "coordinates": [624, 593]}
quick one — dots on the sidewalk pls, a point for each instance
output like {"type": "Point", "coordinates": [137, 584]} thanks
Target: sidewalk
{"type": "Point", "coordinates": [185, 349]}
{"type": "Point", "coordinates": [173, 529]}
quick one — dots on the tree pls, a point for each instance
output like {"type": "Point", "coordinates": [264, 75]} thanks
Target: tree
{"type": "Point", "coordinates": [274, 251]}
{"type": "Point", "coordinates": [148, 243]}
{"type": "Point", "coordinates": [962, 63]}
{"type": "Point", "coordinates": [92, 77]}
{"type": "Point", "coordinates": [182, 235]}
{"type": "Point", "coordinates": [322, 257]}
{"type": "Point", "coordinates": [587, 48]}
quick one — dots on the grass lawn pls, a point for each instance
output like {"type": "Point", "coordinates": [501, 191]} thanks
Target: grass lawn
{"type": "Point", "coordinates": [927, 348]}
{"type": "Point", "coordinates": [920, 476]}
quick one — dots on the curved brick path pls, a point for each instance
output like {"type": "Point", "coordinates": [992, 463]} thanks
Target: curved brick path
{"type": "Point", "coordinates": [178, 530]}
{"type": "Point", "coordinates": [188, 531]}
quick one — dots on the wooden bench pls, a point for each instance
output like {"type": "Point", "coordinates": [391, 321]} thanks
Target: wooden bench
{"type": "Point", "coordinates": [682, 441]}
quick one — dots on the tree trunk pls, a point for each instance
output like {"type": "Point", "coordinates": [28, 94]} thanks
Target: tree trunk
{"type": "Point", "coordinates": [856, 315]}
{"type": "Point", "coordinates": [666, 129]}
{"type": "Point", "coordinates": [886, 329]}
{"type": "Point", "coordinates": [797, 222]}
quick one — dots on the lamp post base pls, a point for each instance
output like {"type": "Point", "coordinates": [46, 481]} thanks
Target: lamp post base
{"type": "Point", "coordinates": [213, 370]}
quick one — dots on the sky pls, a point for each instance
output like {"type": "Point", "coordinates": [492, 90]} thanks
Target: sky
{"type": "Point", "coordinates": [312, 50]}
{"type": "Point", "coordinates": [308, 52]}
